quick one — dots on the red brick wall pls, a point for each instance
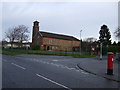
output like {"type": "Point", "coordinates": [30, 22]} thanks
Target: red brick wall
{"type": "Point", "coordinates": [59, 44]}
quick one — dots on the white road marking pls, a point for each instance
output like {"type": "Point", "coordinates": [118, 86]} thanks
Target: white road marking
{"type": "Point", "coordinates": [62, 66]}
{"type": "Point", "coordinates": [53, 82]}
{"type": "Point", "coordinates": [71, 68]}
{"type": "Point", "coordinates": [57, 65]}
{"type": "Point", "coordinates": [77, 67]}
{"type": "Point", "coordinates": [52, 63]}
{"type": "Point", "coordinates": [65, 66]}
{"type": "Point", "coordinates": [18, 66]}
{"type": "Point", "coordinates": [81, 70]}
{"type": "Point", "coordinates": [84, 72]}
{"type": "Point", "coordinates": [55, 60]}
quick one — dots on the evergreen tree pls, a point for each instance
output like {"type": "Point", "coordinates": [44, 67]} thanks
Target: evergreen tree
{"type": "Point", "coordinates": [105, 35]}
{"type": "Point", "coordinates": [114, 43]}
{"type": "Point", "coordinates": [118, 43]}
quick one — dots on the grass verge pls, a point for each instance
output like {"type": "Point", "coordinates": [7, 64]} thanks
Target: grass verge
{"type": "Point", "coordinates": [22, 51]}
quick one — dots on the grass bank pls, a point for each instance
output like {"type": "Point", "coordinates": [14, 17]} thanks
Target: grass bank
{"type": "Point", "coordinates": [38, 52]}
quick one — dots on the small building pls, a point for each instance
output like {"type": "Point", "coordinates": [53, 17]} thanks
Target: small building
{"type": "Point", "coordinates": [25, 45]}
{"type": "Point", "coordinates": [52, 41]}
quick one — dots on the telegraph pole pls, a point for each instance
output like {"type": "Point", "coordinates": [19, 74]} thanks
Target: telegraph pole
{"type": "Point", "coordinates": [80, 41]}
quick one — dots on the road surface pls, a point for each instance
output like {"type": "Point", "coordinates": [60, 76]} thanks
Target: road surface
{"type": "Point", "coordinates": [42, 71]}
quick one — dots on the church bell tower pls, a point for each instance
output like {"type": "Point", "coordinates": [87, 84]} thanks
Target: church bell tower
{"type": "Point", "coordinates": [35, 30]}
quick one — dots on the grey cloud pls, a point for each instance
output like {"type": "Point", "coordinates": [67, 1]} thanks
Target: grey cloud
{"type": "Point", "coordinates": [66, 18]}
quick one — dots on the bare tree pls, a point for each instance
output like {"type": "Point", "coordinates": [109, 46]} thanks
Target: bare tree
{"type": "Point", "coordinates": [23, 34]}
{"type": "Point", "coordinates": [91, 39]}
{"type": "Point", "coordinates": [117, 33]}
{"type": "Point", "coordinates": [88, 42]}
{"type": "Point", "coordinates": [12, 34]}
{"type": "Point", "coordinates": [18, 34]}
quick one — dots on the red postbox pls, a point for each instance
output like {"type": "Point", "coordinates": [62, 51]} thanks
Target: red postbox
{"type": "Point", "coordinates": [110, 63]}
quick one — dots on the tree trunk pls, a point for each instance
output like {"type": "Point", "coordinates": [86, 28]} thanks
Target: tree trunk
{"type": "Point", "coordinates": [11, 44]}
{"type": "Point", "coordinates": [21, 44]}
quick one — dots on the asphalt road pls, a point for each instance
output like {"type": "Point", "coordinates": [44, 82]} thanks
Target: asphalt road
{"type": "Point", "coordinates": [41, 71]}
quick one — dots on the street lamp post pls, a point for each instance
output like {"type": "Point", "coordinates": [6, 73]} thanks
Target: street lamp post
{"type": "Point", "coordinates": [101, 51]}
{"type": "Point", "coordinates": [101, 41]}
{"type": "Point", "coordinates": [80, 41]}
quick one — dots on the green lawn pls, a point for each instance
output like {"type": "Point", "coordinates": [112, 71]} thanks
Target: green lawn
{"type": "Point", "coordinates": [22, 51]}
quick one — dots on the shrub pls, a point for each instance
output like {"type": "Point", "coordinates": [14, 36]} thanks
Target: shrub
{"type": "Point", "coordinates": [111, 48]}
{"type": "Point", "coordinates": [114, 49]}
{"type": "Point", "coordinates": [36, 47]}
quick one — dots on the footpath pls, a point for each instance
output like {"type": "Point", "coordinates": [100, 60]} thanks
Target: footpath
{"type": "Point", "coordinates": [99, 67]}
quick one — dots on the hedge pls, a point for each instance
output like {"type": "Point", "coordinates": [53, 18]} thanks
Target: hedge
{"type": "Point", "coordinates": [113, 49]}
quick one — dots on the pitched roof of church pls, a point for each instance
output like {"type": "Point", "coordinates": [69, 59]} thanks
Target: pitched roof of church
{"type": "Point", "coordinates": [58, 36]}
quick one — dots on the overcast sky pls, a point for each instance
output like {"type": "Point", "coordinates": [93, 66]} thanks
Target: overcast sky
{"type": "Point", "coordinates": [62, 17]}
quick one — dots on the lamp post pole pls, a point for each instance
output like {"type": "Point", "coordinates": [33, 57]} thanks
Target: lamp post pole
{"type": "Point", "coordinates": [101, 42]}
{"type": "Point", "coordinates": [101, 51]}
{"type": "Point", "coordinates": [80, 41]}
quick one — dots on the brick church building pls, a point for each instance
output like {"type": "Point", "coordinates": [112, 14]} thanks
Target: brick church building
{"type": "Point", "coordinates": [52, 41]}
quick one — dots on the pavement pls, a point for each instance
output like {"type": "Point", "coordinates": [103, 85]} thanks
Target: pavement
{"type": "Point", "coordinates": [99, 67]}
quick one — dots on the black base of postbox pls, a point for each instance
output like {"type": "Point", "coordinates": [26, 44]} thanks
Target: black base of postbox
{"type": "Point", "coordinates": [109, 71]}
